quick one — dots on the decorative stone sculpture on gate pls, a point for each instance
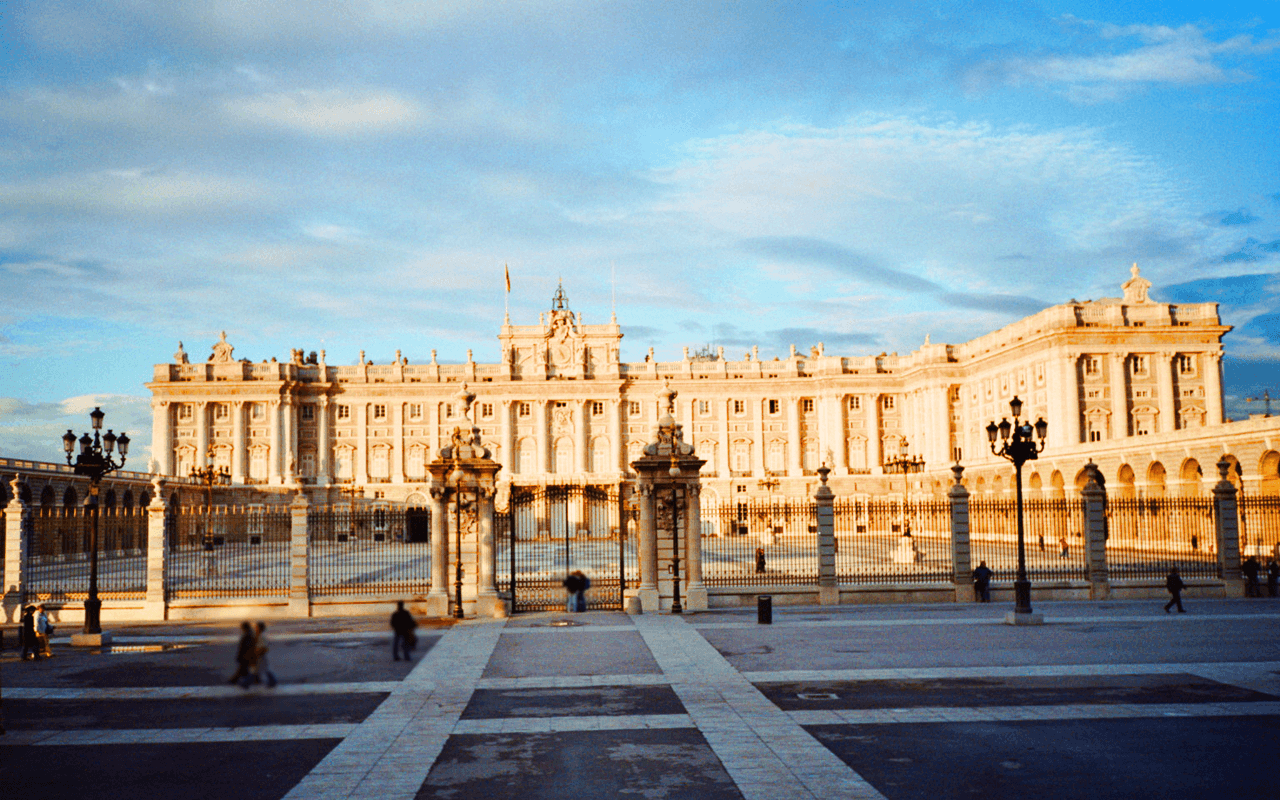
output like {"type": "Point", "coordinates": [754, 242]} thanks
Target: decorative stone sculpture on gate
{"type": "Point", "coordinates": [670, 545]}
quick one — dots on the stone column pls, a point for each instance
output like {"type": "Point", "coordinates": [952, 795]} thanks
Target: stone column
{"type": "Point", "coordinates": [508, 436]}
{"type": "Point", "coordinates": [1067, 396]}
{"type": "Point", "coordinates": [324, 458]}
{"type": "Point", "coordinates": [615, 437]}
{"type": "Point", "coordinates": [162, 436]}
{"type": "Point", "coordinates": [696, 591]}
{"type": "Point", "coordinates": [1165, 401]}
{"type": "Point", "coordinates": [488, 604]}
{"type": "Point", "coordinates": [360, 469]}
{"type": "Point", "coordinates": [794, 464]}
{"type": "Point", "coordinates": [942, 423]}
{"type": "Point", "coordinates": [542, 432]}
{"type": "Point", "coordinates": [438, 595]}
{"type": "Point", "coordinates": [299, 590]}
{"type": "Point", "coordinates": [273, 456]}
{"type": "Point", "coordinates": [289, 449]}
{"type": "Point", "coordinates": [1211, 363]}
{"type": "Point", "coordinates": [239, 441]}
{"type": "Point", "coordinates": [201, 410]}
{"type": "Point", "coordinates": [580, 433]}
{"type": "Point", "coordinates": [758, 456]}
{"type": "Point", "coordinates": [726, 440]}
{"type": "Point", "coordinates": [1119, 388]}
{"type": "Point", "coordinates": [824, 499]}
{"type": "Point", "coordinates": [1095, 509]}
{"type": "Point", "coordinates": [875, 451]}
{"type": "Point", "coordinates": [17, 532]}
{"type": "Point", "coordinates": [838, 443]}
{"type": "Point", "coordinates": [961, 553]}
{"type": "Point", "coordinates": [647, 550]}
{"type": "Point", "coordinates": [154, 606]}
{"type": "Point", "coordinates": [1227, 525]}
{"type": "Point", "coordinates": [397, 441]}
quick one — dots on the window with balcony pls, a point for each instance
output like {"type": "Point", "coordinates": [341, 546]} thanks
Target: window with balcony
{"type": "Point", "coordinates": [739, 407]}
{"type": "Point", "coordinates": [308, 412]}
{"type": "Point", "coordinates": [774, 406]}
{"type": "Point", "coordinates": [855, 403]}
{"type": "Point", "coordinates": [379, 411]}
{"type": "Point", "coordinates": [806, 405]}
{"type": "Point", "coordinates": [524, 410]}
{"type": "Point", "coordinates": [887, 402]}
{"type": "Point", "coordinates": [344, 412]}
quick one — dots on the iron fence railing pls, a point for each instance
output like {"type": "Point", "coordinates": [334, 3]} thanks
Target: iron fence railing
{"type": "Point", "coordinates": [891, 541]}
{"type": "Point", "coordinates": [759, 543]}
{"type": "Point", "coordinates": [1147, 536]}
{"type": "Point", "coordinates": [1053, 533]}
{"type": "Point", "coordinates": [1260, 527]}
{"type": "Point", "coordinates": [228, 551]}
{"type": "Point", "coordinates": [58, 553]}
{"type": "Point", "coordinates": [370, 549]}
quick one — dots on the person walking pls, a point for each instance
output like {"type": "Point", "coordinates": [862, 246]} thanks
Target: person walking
{"type": "Point", "coordinates": [28, 634]}
{"type": "Point", "coordinates": [1273, 578]}
{"type": "Point", "coordinates": [43, 631]}
{"type": "Point", "coordinates": [1064, 547]}
{"type": "Point", "coordinates": [1175, 586]}
{"type": "Point", "coordinates": [1251, 568]}
{"type": "Point", "coordinates": [245, 656]}
{"type": "Point", "coordinates": [403, 638]}
{"type": "Point", "coordinates": [982, 583]}
{"type": "Point", "coordinates": [760, 560]}
{"type": "Point", "coordinates": [260, 668]}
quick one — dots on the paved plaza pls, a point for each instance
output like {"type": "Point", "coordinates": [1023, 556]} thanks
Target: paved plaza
{"type": "Point", "coordinates": [1106, 700]}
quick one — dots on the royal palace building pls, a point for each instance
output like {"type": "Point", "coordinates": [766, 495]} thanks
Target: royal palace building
{"type": "Point", "coordinates": [1108, 375]}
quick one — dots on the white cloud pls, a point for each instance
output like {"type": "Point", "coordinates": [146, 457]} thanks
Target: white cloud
{"type": "Point", "coordinates": [333, 112]}
{"type": "Point", "coordinates": [120, 192]}
{"type": "Point", "coordinates": [34, 430]}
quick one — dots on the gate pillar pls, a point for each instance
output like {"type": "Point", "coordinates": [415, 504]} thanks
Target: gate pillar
{"type": "Point", "coordinates": [670, 523]}
{"type": "Point", "coordinates": [463, 484]}
{"type": "Point", "coordinates": [17, 523]}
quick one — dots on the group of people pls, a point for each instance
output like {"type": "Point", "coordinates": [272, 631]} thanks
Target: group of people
{"type": "Point", "coordinates": [576, 583]}
{"type": "Point", "coordinates": [251, 657]}
{"type": "Point", "coordinates": [1251, 569]}
{"type": "Point", "coordinates": [34, 633]}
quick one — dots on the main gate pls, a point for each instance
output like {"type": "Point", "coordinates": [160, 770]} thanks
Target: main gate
{"type": "Point", "coordinates": [549, 531]}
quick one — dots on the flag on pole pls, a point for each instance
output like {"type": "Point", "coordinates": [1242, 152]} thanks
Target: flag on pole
{"type": "Point", "coordinates": [506, 271]}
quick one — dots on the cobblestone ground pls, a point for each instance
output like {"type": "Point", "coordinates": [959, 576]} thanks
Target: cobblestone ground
{"type": "Point", "coordinates": [1111, 700]}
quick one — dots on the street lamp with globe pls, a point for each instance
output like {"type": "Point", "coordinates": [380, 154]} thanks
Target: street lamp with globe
{"type": "Point", "coordinates": [1018, 444]}
{"type": "Point", "coordinates": [94, 461]}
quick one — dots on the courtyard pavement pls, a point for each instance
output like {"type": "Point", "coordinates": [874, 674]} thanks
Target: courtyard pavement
{"type": "Point", "coordinates": [1106, 700]}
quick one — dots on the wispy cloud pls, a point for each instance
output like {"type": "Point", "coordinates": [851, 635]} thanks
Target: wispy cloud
{"type": "Point", "coordinates": [334, 112]}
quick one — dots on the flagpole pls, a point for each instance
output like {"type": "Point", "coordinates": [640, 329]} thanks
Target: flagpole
{"type": "Point", "coordinates": [506, 304]}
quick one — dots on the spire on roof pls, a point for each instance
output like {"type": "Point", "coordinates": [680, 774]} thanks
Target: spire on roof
{"type": "Point", "coordinates": [559, 302]}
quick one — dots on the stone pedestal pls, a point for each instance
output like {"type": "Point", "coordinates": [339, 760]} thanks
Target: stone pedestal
{"type": "Point", "coordinates": [1014, 618]}
{"type": "Point", "coordinates": [90, 639]}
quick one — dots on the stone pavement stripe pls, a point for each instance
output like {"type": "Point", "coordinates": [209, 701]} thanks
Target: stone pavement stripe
{"type": "Point", "coordinates": [565, 724]}
{"type": "Point", "coordinates": [191, 692]}
{"type": "Point", "coordinates": [388, 756]}
{"type": "Point", "coordinates": [782, 622]}
{"type": "Point", "coordinates": [767, 754]}
{"type": "Point", "coordinates": [1057, 670]}
{"type": "Point", "coordinates": [898, 716]}
{"type": "Point", "coordinates": [177, 735]}
{"type": "Point", "coordinates": [572, 681]}
{"type": "Point", "coordinates": [567, 629]}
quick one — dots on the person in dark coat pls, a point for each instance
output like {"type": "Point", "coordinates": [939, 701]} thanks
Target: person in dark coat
{"type": "Point", "coordinates": [1250, 568]}
{"type": "Point", "coordinates": [261, 670]}
{"type": "Point", "coordinates": [403, 639]}
{"type": "Point", "coordinates": [246, 656]}
{"type": "Point", "coordinates": [1175, 586]}
{"type": "Point", "coordinates": [759, 559]}
{"type": "Point", "coordinates": [1273, 578]}
{"type": "Point", "coordinates": [28, 634]}
{"type": "Point", "coordinates": [576, 583]}
{"type": "Point", "coordinates": [982, 583]}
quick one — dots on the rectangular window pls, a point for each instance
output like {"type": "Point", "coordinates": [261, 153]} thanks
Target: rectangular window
{"type": "Point", "coordinates": [448, 410]}
{"type": "Point", "coordinates": [486, 410]}
{"type": "Point", "coordinates": [855, 403]}
{"type": "Point", "coordinates": [806, 405]}
{"type": "Point", "coordinates": [219, 410]}
{"type": "Point", "coordinates": [1092, 365]}
{"type": "Point", "coordinates": [415, 411]}
{"type": "Point", "coordinates": [561, 404]}
{"type": "Point", "coordinates": [1186, 365]}
{"type": "Point", "coordinates": [525, 410]}
{"type": "Point", "coordinates": [597, 408]}
{"type": "Point", "coordinates": [887, 402]}
{"type": "Point", "coordinates": [739, 407]}
{"type": "Point", "coordinates": [184, 411]}
{"type": "Point", "coordinates": [308, 412]}
{"type": "Point", "coordinates": [633, 408]}
{"type": "Point", "coordinates": [1141, 365]}
{"type": "Point", "coordinates": [259, 410]}
{"type": "Point", "coordinates": [704, 407]}
{"type": "Point", "coordinates": [774, 406]}
{"type": "Point", "coordinates": [1095, 435]}
{"type": "Point", "coordinates": [344, 412]}
{"type": "Point", "coordinates": [379, 411]}
{"type": "Point", "coordinates": [957, 454]}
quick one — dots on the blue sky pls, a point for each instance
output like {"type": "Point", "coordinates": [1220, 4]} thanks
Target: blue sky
{"type": "Point", "coordinates": [353, 176]}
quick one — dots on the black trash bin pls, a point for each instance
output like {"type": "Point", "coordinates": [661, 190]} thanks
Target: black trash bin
{"type": "Point", "coordinates": [764, 609]}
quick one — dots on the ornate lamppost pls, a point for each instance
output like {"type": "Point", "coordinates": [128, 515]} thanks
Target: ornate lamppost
{"type": "Point", "coordinates": [210, 476]}
{"type": "Point", "coordinates": [674, 472]}
{"type": "Point", "coordinates": [94, 461]}
{"type": "Point", "coordinates": [1020, 448]}
{"type": "Point", "coordinates": [905, 465]}
{"type": "Point", "coordinates": [457, 481]}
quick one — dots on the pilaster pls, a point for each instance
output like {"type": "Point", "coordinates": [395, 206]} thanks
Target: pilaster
{"type": "Point", "coordinates": [239, 441]}
{"type": "Point", "coordinates": [696, 591]}
{"type": "Point", "coordinates": [1095, 509]}
{"type": "Point", "coordinates": [648, 549]}
{"type": "Point", "coordinates": [1227, 528]}
{"type": "Point", "coordinates": [961, 554]}
{"type": "Point", "coordinates": [824, 499]}
{"type": "Point", "coordinates": [155, 604]}
{"type": "Point", "coordinates": [438, 595]}
{"type": "Point", "coordinates": [299, 593]}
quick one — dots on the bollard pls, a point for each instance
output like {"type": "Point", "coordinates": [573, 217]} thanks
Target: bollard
{"type": "Point", "coordinates": [764, 609]}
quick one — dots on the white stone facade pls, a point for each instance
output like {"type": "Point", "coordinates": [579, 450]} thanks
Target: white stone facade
{"type": "Point", "coordinates": [560, 407]}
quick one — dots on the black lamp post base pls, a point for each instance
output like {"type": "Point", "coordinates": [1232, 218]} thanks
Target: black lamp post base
{"type": "Point", "coordinates": [93, 616]}
{"type": "Point", "coordinates": [1022, 596]}
{"type": "Point", "coordinates": [676, 608]}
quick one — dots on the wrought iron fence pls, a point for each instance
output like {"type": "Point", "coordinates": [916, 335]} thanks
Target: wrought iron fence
{"type": "Point", "coordinates": [228, 551]}
{"type": "Point", "coordinates": [760, 543]}
{"type": "Point", "coordinates": [1260, 527]}
{"type": "Point", "coordinates": [889, 541]}
{"type": "Point", "coordinates": [1053, 533]}
{"type": "Point", "coordinates": [549, 531]}
{"type": "Point", "coordinates": [369, 549]}
{"type": "Point", "coordinates": [1147, 536]}
{"type": "Point", "coordinates": [58, 553]}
